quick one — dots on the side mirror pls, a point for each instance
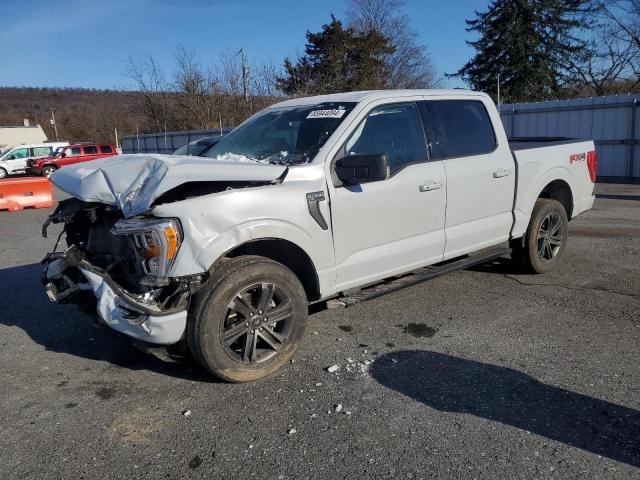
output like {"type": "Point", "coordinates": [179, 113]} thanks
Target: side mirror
{"type": "Point", "coordinates": [355, 169]}
{"type": "Point", "coordinates": [63, 155]}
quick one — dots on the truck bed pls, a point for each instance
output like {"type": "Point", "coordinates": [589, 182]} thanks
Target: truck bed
{"type": "Point", "coordinates": [525, 143]}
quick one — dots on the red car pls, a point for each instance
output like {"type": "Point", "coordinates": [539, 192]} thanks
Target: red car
{"type": "Point", "coordinates": [79, 152]}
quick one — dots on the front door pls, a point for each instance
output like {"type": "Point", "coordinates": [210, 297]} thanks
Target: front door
{"type": "Point", "coordinates": [395, 225]}
{"type": "Point", "coordinates": [16, 161]}
{"type": "Point", "coordinates": [71, 155]}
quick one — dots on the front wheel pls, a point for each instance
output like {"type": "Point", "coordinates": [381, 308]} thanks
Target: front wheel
{"type": "Point", "coordinates": [3, 173]}
{"type": "Point", "coordinates": [48, 171]}
{"type": "Point", "coordinates": [546, 237]}
{"type": "Point", "coordinates": [248, 320]}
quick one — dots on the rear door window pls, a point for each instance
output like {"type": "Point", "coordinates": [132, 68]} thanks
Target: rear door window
{"type": "Point", "coordinates": [105, 149]}
{"type": "Point", "coordinates": [90, 150]}
{"type": "Point", "coordinates": [461, 128]}
{"type": "Point", "coordinates": [41, 151]}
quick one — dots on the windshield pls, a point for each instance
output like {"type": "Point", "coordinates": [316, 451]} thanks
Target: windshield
{"type": "Point", "coordinates": [283, 136]}
{"type": "Point", "coordinates": [56, 152]}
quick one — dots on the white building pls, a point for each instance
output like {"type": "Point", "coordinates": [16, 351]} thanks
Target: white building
{"type": "Point", "coordinates": [11, 136]}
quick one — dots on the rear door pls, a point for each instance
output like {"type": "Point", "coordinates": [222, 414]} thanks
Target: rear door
{"type": "Point", "coordinates": [480, 173]}
{"type": "Point", "coordinates": [394, 225]}
{"type": "Point", "coordinates": [89, 152]}
{"type": "Point", "coordinates": [106, 151]}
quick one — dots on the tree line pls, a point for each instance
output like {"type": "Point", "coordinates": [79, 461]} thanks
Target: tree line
{"type": "Point", "coordinates": [549, 49]}
{"type": "Point", "coordinates": [535, 49]}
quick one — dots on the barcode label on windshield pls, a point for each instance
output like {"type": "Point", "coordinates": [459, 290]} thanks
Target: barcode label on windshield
{"type": "Point", "coordinates": [336, 113]}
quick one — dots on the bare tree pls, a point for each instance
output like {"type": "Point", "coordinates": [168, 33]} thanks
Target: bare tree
{"type": "Point", "coordinates": [410, 65]}
{"type": "Point", "coordinates": [197, 92]}
{"type": "Point", "coordinates": [612, 63]}
{"type": "Point", "coordinates": [153, 91]}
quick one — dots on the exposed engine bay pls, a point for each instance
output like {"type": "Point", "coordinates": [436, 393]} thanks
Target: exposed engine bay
{"type": "Point", "coordinates": [119, 259]}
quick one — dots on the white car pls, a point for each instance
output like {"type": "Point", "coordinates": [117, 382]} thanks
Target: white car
{"type": "Point", "coordinates": [340, 197]}
{"type": "Point", "coordinates": [14, 160]}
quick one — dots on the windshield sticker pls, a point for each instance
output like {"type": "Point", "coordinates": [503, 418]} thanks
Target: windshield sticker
{"type": "Point", "coordinates": [335, 113]}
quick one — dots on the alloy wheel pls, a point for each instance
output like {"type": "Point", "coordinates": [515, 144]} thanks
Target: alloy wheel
{"type": "Point", "coordinates": [549, 237]}
{"type": "Point", "coordinates": [257, 323]}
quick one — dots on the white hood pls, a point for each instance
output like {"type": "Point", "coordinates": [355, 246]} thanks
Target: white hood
{"type": "Point", "coordinates": [133, 182]}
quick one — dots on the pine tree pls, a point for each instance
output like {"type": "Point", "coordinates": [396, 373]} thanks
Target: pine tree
{"type": "Point", "coordinates": [526, 42]}
{"type": "Point", "coordinates": [336, 60]}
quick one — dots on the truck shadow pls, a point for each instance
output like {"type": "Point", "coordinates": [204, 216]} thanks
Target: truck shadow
{"type": "Point", "coordinates": [457, 385]}
{"type": "Point", "coordinates": [63, 328]}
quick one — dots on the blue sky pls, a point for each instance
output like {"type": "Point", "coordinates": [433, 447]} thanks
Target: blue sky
{"type": "Point", "coordinates": [85, 43]}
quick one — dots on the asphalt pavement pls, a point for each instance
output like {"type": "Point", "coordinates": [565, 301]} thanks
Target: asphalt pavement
{"type": "Point", "coordinates": [485, 373]}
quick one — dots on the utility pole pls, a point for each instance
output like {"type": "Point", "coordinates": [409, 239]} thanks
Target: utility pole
{"type": "Point", "coordinates": [245, 75]}
{"type": "Point", "coordinates": [53, 122]}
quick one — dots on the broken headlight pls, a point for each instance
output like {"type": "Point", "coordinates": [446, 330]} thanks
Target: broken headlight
{"type": "Point", "coordinates": [156, 241]}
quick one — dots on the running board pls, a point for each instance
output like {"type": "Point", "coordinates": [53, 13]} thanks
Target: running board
{"type": "Point", "coordinates": [417, 276]}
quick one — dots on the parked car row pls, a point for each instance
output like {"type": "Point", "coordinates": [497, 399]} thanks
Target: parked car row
{"type": "Point", "coordinates": [14, 160]}
{"type": "Point", "coordinates": [68, 155]}
{"type": "Point", "coordinates": [45, 158]}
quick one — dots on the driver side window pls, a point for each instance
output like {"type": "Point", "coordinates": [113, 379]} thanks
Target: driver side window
{"type": "Point", "coordinates": [394, 130]}
{"type": "Point", "coordinates": [16, 154]}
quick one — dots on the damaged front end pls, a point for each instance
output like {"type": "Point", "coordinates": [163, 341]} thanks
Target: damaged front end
{"type": "Point", "coordinates": [120, 266]}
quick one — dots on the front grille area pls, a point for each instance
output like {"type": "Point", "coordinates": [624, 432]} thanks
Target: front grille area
{"type": "Point", "coordinates": [90, 231]}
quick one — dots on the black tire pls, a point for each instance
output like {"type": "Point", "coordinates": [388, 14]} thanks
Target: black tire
{"type": "Point", "coordinates": [229, 303]}
{"type": "Point", "coordinates": [48, 170]}
{"type": "Point", "coordinates": [3, 173]}
{"type": "Point", "coordinates": [541, 248]}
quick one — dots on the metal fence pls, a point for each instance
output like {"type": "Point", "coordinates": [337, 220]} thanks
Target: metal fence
{"type": "Point", "coordinates": [166, 142]}
{"type": "Point", "coordinates": [611, 121]}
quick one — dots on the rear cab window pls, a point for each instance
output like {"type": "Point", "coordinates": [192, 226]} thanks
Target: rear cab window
{"type": "Point", "coordinates": [90, 150]}
{"type": "Point", "coordinates": [106, 149]}
{"type": "Point", "coordinates": [458, 128]}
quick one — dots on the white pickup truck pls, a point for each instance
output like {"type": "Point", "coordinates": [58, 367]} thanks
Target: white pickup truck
{"type": "Point", "coordinates": [340, 197]}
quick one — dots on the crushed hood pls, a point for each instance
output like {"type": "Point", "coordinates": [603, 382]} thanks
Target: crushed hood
{"type": "Point", "coordinates": [133, 182]}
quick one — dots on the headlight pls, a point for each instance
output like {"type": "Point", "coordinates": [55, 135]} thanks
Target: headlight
{"type": "Point", "coordinates": [156, 241]}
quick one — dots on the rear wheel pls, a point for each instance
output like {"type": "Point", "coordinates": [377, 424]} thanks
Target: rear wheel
{"type": "Point", "coordinates": [248, 320]}
{"type": "Point", "coordinates": [546, 237]}
{"type": "Point", "coordinates": [3, 173]}
{"type": "Point", "coordinates": [48, 171]}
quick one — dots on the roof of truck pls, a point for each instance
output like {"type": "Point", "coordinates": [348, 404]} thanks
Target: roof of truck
{"type": "Point", "coordinates": [373, 95]}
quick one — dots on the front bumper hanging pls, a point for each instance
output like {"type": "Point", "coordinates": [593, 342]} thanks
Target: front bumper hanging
{"type": "Point", "coordinates": [68, 278]}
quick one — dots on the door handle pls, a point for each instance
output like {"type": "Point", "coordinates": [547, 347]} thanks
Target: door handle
{"type": "Point", "coordinates": [428, 187]}
{"type": "Point", "coordinates": [501, 172]}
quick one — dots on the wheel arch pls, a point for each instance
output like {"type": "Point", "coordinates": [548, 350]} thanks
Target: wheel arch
{"type": "Point", "coordinates": [560, 191]}
{"type": "Point", "coordinates": [285, 252]}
